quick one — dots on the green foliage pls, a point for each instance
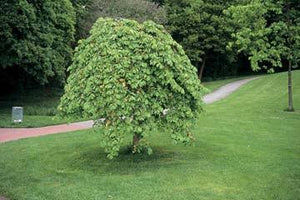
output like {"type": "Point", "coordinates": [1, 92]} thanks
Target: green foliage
{"type": "Point", "coordinates": [129, 74]}
{"type": "Point", "coordinates": [201, 28]}
{"type": "Point", "coordinates": [268, 31]}
{"type": "Point", "coordinates": [35, 37]}
{"type": "Point", "coordinates": [139, 10]}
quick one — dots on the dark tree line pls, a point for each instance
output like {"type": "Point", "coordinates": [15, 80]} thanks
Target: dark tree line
{"type": "Point", "coordinates": [38, 36]}
{"type": "Point", "coordinates": [35, 41]}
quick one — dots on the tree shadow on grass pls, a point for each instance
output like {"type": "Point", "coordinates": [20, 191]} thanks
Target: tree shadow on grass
{"type": "Point", "coordinates": [95, 161]}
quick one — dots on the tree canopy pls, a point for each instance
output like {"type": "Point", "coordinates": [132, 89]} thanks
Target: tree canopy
{"type": "Point", "coordinates": [132, 78]}
{"type": "Point", "coordinates": [268, 31]}
{"type": "Point", "coordinates": [35, 38]}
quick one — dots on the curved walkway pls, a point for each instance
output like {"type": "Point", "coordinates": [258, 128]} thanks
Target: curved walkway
{"type": "Point", "coordinates": [225, 90]}
{"type": "Point", "coordinates": [9, 134]}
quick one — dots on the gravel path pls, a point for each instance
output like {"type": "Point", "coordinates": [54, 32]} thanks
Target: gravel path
{"type": "Point", "coordinates": [9, 134]}
{"type": "Point", "coordinates": [225, 90]}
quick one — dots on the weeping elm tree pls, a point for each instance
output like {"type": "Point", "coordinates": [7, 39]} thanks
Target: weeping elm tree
{"type": "Point", "coordinates": [135, 78]}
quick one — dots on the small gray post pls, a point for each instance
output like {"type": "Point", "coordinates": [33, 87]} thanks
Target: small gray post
{"type": "Point", "coordinates": [17, 114]}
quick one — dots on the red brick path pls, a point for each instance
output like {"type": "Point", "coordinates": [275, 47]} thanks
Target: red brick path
{"type": "Point", "coordinates": [8, 134]}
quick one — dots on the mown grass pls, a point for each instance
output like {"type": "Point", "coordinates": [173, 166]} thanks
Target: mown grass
{"type": "Point", "coordinates": [247, 148]}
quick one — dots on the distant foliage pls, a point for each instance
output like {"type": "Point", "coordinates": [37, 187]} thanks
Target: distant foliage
{"type": "Point", "coordinates": [158, 2]}
{"type": "Point", "coordinates": [268, 31]}
{"type": "Point", "coordinates": [201, 28]}
{"type": "Point", "coordinates": [80, 3]}
{"type": "Point", "coordinates": [139, 10]}
{"type": "Point", "coordinates": [80, 7]}
{"type": "Point", "coordinates": [135, 78]}
{"type": "Point", "coordinates": [35, 37]}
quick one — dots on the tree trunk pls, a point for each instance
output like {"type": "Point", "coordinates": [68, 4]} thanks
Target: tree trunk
{"type": "Point", "coordinates": [200, 68]}
{"type": "Point", "coordinates": [290, 94]}
{"type": "Point", "coordinates": [136, 140]}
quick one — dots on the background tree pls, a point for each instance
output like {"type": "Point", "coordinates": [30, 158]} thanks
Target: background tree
{"type": "Point", "coordinates": [139, 10]}
{"type": "Point", "coordinates": [81, 10]}
{"type": "Point", "coordinates": [135, 77]}
{"type": "Point", "coordinates": [269, 32]}
{"type": "Point", "coordinates": [35, 40]}
{"type": "Point", "coordinates": [158, 2]}
{"type": "Point", "coordinates": [200, 27]}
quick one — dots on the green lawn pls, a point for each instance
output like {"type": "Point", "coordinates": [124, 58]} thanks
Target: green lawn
{"type": "Point", "coordinates": [247, 148]}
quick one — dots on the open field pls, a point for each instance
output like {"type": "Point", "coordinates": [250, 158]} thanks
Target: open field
{"type": "Point", "coordinates": [246, 148]}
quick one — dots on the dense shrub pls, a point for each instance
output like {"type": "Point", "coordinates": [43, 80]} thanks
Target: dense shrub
{"type": "Point", "coordinates": [35, 38]}
{"type": "Point", "coordinates": [135, 77]}
{"type": "Point", "coordinates": [139, 10]}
